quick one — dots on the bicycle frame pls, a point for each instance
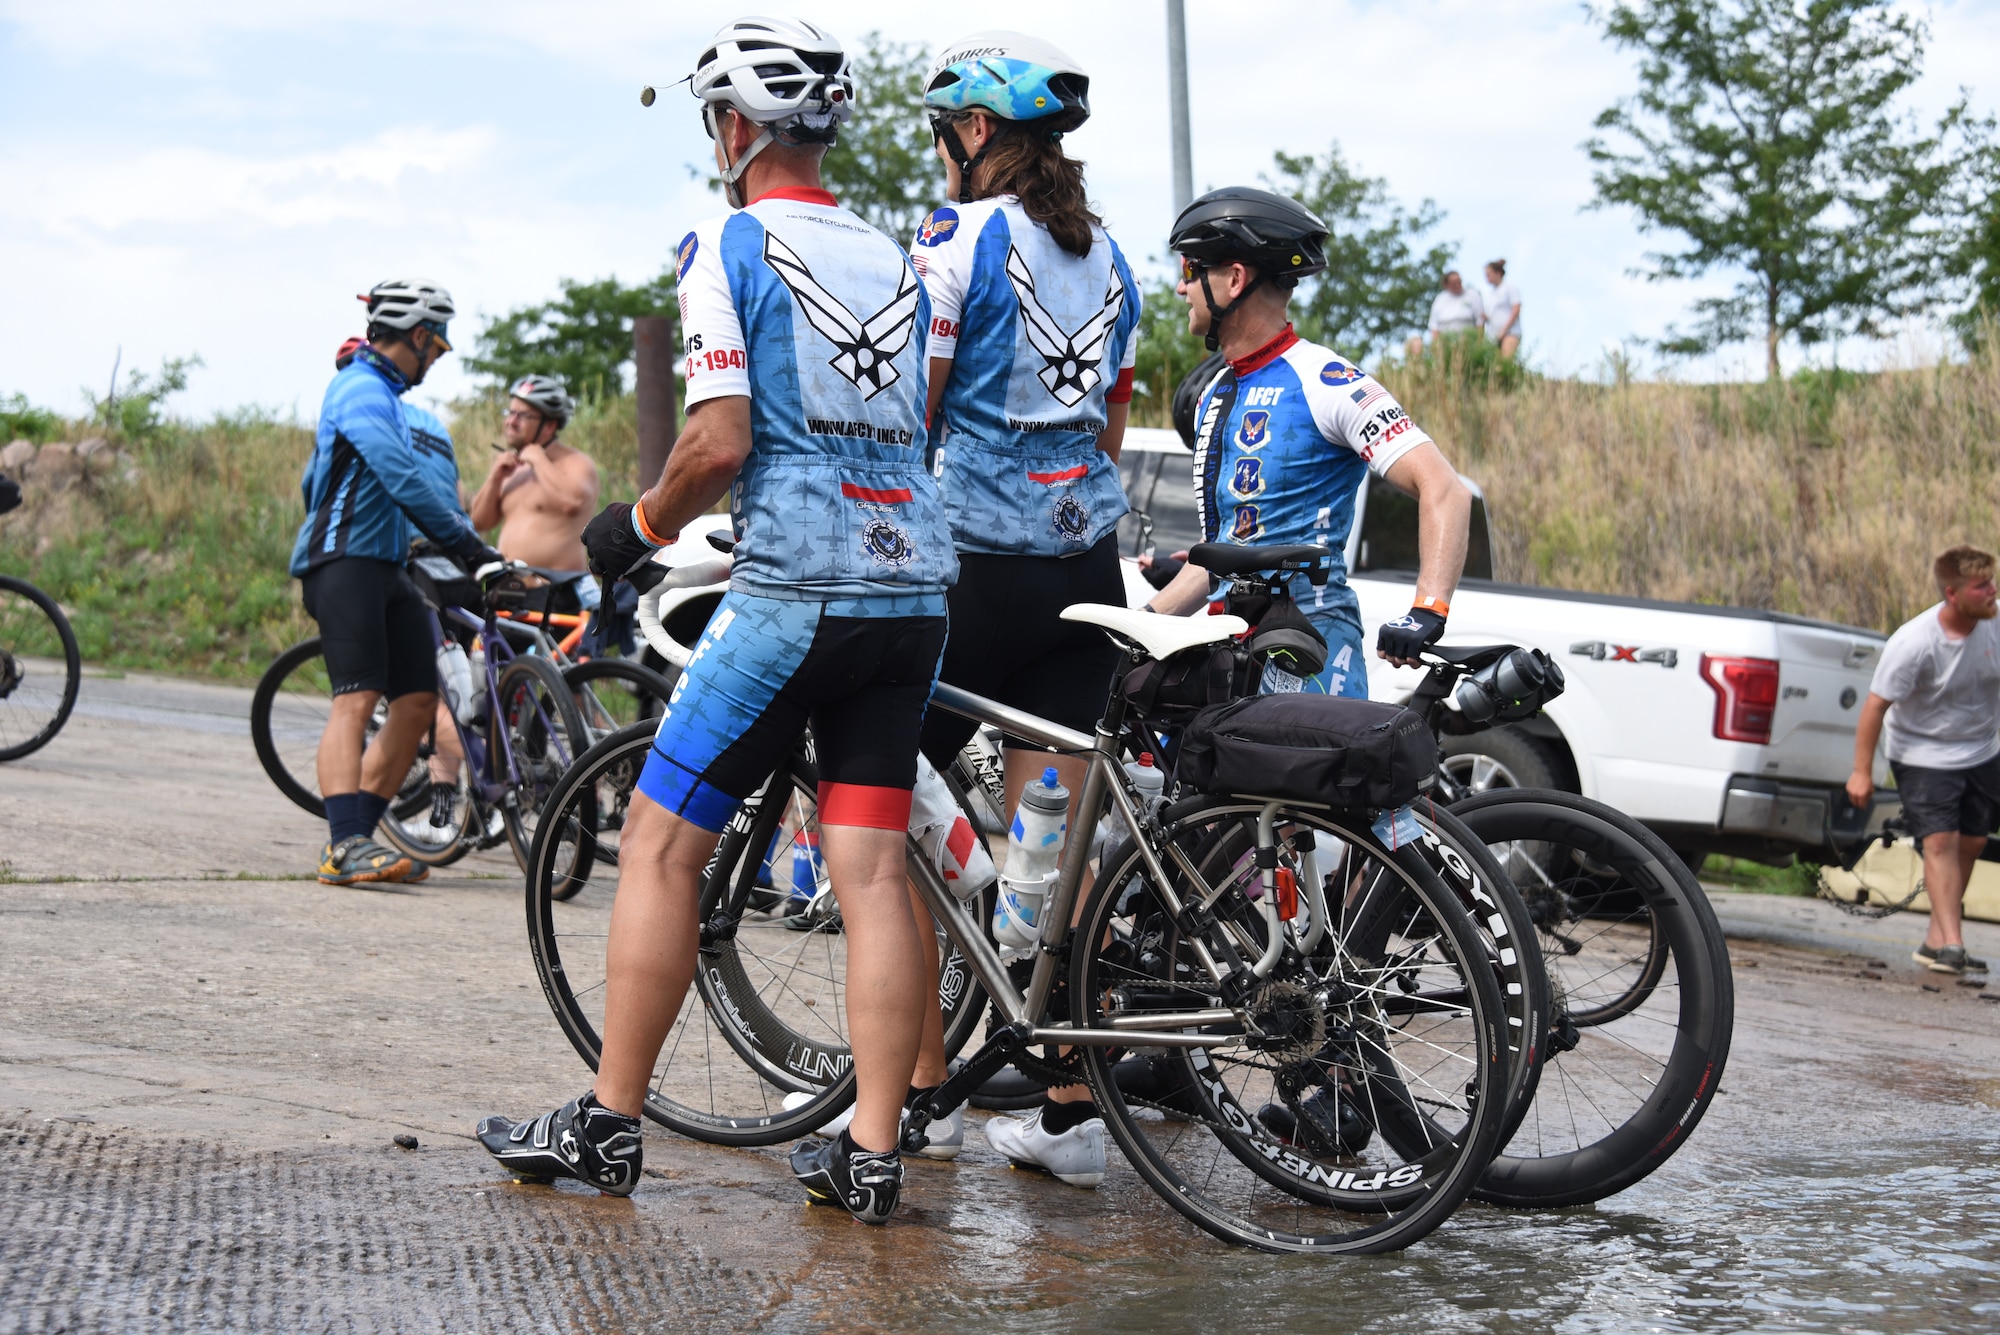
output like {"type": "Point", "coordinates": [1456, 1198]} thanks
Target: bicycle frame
{"type": "Point", "coordinates": [483, 762]}
{"type": "Point", "coordinates": [1107, 781]}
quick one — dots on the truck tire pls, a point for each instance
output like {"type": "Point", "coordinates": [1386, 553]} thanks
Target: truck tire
{"type": "Point", "coordinates": [1500, 758]}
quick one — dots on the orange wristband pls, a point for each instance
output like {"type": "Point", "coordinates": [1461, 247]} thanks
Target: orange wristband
{"type": "Point", "coordinates": [645, 529]}
{"type": "Point", "coordinates": [1437, 605]}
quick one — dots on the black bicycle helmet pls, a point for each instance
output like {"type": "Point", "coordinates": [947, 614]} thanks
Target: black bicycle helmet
{"type": "Point", "coordinates": [1278, 237]}
{"type": "Point", "coordinates": [1187, 396]}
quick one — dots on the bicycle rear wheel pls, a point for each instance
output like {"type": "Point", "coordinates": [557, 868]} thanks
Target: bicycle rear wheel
{"type": "Point", "coordinates": [534, 723]}
{"type": "Point", "coordinates": [1398, 1020]}
{"type": "Point", "coordinates": [288, 713]}
{"type": "Point", "coordinates": [40, 668]}
{"type": "Point", "coordinates": [613, 692]}
{"type": "Point", "coordinates": [1643, 1002]}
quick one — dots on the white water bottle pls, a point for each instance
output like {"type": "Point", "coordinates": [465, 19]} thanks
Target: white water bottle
{"type": "Point", "coordinates": [455, 679]}
{"type": "Point", "coordinates": [946, 836]}
{"type": "Point", "coordinates": [474, 708]}
{"type": "Point", "coordinates": [1034, 856]}
{"type": "Point", "coordinates": [1148, 779]}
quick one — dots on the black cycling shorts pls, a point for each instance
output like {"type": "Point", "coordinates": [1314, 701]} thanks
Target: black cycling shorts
{"type": "Point", "coordinates": [1939, 801]}
{"type": "Point", "coordinates": [374, 627]}
{"type": "Point", "coordinates": [761, 670]}
{"type": "Point", "coordinates": [1009, 642]}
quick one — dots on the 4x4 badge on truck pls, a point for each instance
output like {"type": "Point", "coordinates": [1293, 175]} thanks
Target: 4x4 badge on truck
{"type": "Point", "coordinates": [1599, 651]}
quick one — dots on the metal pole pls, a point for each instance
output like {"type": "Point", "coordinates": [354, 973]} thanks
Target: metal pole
{"type": "Point", "coordinates": [653, 364]}
{"type": "Point", "coordinates": [1177, 104]}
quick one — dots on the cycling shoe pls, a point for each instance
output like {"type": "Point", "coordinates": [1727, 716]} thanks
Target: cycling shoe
{"type": "Point", "coordinates": [865, 1183]}
{"type": "Point", "coordinates": [582, 1140]}
{"type": "Point", "coordinates": [359, 860]}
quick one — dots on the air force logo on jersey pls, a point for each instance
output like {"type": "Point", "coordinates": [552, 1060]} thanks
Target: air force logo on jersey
{"type": "Point", "coordinates": [867, 349]}
{"type": "Point", "coordinates": [1248, 479]}
{"type": "Point", "coordinates": [886, 544]}
{"type": "Point", "coordinates": [1255, 432]}
{"type": "Point", "coordinates": [1070, 359]}
{"type": "Point", "coordinates": [938, 227]}
{"type": "Point", "coordinates": [685, 256]}
{"type": "Point", "coordinates": [1339, 373]}
{"type": "Point", "coordinates": [1249, 525]}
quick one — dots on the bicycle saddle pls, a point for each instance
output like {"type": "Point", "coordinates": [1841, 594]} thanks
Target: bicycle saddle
{"type": "Point", "coordinates": [1471, 657]}
{"type": "Point", "coordinates": [1159, 635]}
{"type": "Point", "coordinates": [1226, 558]}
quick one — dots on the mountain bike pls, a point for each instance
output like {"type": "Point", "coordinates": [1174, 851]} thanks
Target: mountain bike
{"type": "Point", "coordinates": [1384, 993]}
{"type": "Point", "coordinates": [40, 668]}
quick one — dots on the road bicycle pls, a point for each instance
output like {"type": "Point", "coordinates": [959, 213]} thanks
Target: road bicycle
{"type": "Point", "coordinates": [529, 718]}
{"type": "Point", "coordinates": [1383, 995]}
{"type": "Point", "coordinates": [40, 668]}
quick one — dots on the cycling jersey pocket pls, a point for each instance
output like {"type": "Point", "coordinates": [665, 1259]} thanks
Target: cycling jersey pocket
{"type": "Point", "coordinates": [822, 528]}
{"type": "Point", "coordinates": [1045, 502]}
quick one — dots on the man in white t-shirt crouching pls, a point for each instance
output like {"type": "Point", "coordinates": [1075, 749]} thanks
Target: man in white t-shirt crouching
{"type": "Point", "coordinates": [1938, 685]}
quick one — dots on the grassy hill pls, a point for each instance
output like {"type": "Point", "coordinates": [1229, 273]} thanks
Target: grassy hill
{"type": "Point", "coordinates": [1826, 496]}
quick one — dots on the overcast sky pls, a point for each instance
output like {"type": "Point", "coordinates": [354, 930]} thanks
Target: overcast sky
{"type": "Point", "coordinates": [216, 177]}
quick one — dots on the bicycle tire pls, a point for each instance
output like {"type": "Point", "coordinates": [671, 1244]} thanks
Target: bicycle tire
{"type": "Point", "coordinates": [731, 1103]}
{"type": "Point", "coordinates": [534, 722]}
{"type": "Point", "coordinates": [607, 690]}
{"type": "Point", "coordinates": [1284, 1198]}
{"type": "Point", "coordinates": [16, 675]}
{"type": "Point", "coordinates": [263, 731]}
{"type": "Point", "coordinates": [1577, 1142]}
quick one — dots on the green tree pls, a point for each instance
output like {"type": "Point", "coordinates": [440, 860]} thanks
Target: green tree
{"type": "Point", "coordinates": [1166, 353]}
{"type": "Point", "coordinates": [583, 337]}
{"type": "Point", "coordinates": [1764, 134]}
{"type": "Point", "coordinates": [1381, 274]}
{"type": "Point", "coordinates": [883, 166]}
{"type": "Point", "coordinates": [1975, 262]}
{"type": "Point", "coordinates": [19, 418]}
{"type": "Point", "coordinates": [134, 412]}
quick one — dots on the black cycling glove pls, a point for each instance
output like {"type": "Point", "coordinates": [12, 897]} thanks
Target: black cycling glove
{"type": "Point", "coordinates": [472, 552]}
{"type": "Point", "coordinates": [613, 543]}
{"type": "Point", "coordinates": [1410, 634]}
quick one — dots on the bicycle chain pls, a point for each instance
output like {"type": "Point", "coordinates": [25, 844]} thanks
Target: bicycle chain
{"type": "Point", "coordinates": [1858, 906]}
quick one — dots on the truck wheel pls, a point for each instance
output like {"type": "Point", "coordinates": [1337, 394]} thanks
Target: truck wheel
{"type": "Point", "coordinates": [1499, 758]}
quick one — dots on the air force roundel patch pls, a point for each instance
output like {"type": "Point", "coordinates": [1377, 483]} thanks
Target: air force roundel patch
{"type": "Point", "coordinates": [937, 228]}
{"type": "Point", "coordinates": [685, 256]}
{"type": "Point", "coordinates": [1339, 373]}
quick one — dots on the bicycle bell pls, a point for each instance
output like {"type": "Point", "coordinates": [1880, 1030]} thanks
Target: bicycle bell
{"type": "Point", "coordinates": [1511, 688]}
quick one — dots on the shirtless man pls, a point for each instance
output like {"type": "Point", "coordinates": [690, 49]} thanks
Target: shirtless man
{"type": "Point", "coordinates": [541, 492]}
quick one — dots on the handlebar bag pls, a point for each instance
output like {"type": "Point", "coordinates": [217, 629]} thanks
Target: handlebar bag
{"type": "Point", "coordinates": [1310, 748]}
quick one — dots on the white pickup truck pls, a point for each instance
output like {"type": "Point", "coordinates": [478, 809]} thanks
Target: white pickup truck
{"type": "Point", "coordinates": [1725, 729]}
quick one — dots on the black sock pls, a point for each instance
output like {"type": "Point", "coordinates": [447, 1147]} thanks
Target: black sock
{"type": "Point", "coordinates": [368, 809]}
{"type": "Point", "coordinates": [846, 1145]}
{"type": "Point", "coordinates": [342, 821]}
{"type": "Point", "coordinates": [601, 1123]}
{"type": "Point", "coordinates": [1060, 1117]}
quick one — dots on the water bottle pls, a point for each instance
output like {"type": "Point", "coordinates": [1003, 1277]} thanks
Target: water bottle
{"type": "Point", "coordinates": [474, 706]}
{"type": "Point", "coordinates": [808, 870]}
{"type": "Point", "coordinates": [947, 837]}
{"type": "Point", "coordinates": [455, 678]}
{"type": "Point", "coordinates": [1034, 855]}
{"type": "Point", "coordinates": [1148, 779]}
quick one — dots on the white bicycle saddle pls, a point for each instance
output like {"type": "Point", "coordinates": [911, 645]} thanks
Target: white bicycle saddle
{"type": "Point", "coordinates": [1158, 634]}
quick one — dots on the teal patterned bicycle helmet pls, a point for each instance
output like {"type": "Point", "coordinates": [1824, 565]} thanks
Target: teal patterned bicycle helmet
{"type": "Point", "coordinates": [1005, 74]}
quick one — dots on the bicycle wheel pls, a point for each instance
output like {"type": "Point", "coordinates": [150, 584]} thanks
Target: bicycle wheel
{"type": "Point", "coordinates": [534, 726]}
{"type": "Point", "coordinates": [406, 825]}
{"type": "Point", "coordinates": [612, 692]}
{"type": "Point", "coordinates": [288, 713]}
{"type": "Point", "coordinates": [1398, 1019]}
{"type": "Point", "coordinates": [1632, 947]}
{"type": "Point", "coordinates": [40, 668]}
{"type": "Point", "coordinates": [770, 1019]}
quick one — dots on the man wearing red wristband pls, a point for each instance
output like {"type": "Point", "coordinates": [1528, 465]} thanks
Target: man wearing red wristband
{"type": "Point", "coordinates": [1288, 428]}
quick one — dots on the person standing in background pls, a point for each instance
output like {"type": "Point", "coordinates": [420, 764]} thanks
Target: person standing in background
{"type": "Point", "coordinates": [1937, 687]}
{"type": "Point", "coordinates": [1456, 309]}
{"type": "Point", "coordinates": [1502, 301]}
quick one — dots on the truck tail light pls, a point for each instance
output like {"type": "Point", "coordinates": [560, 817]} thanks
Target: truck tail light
{"type": "Point", "coordinates": [1746, 696]}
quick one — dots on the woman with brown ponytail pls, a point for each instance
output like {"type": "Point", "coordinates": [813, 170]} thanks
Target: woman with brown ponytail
{"type": "Point", "coordinates": [1034, 317]}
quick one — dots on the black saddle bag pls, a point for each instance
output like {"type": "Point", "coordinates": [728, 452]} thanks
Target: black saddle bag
{"type": "Point", "coordinates": [1175, 687]}
{"type": "Point", "coordinates": [1310, 748]}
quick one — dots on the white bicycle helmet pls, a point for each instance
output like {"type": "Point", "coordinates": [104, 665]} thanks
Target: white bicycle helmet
{"type": "Point", "coordinates": [405, 303]}
{"type": "Point", "coordinates": [546, 395]}
{"type": "Point", "coordinates": [787, 75]}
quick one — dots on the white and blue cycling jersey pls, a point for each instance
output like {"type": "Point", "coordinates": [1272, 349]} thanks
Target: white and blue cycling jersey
{"type": "Point", "coordinates": [819, 320]}
{"type": "Point", "coordinates": [1040, 341]}
{"type": "Point", "coordinates": [1282, 440]}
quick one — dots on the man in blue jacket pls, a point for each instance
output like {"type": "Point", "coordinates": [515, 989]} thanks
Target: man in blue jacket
{"type": "Point", "coordinates": [366, 491]}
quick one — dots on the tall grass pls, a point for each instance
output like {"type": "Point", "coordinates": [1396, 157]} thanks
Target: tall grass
{"type": "Point", "coordinates": [1827, 495]}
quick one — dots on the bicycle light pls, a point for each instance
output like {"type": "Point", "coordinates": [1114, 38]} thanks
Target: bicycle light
{"type": "Point", "coordinates": [1511, 688]}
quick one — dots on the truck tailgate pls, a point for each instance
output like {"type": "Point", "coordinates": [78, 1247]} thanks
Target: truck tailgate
{"type": "Point", "coordinates": [1823, 676]}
